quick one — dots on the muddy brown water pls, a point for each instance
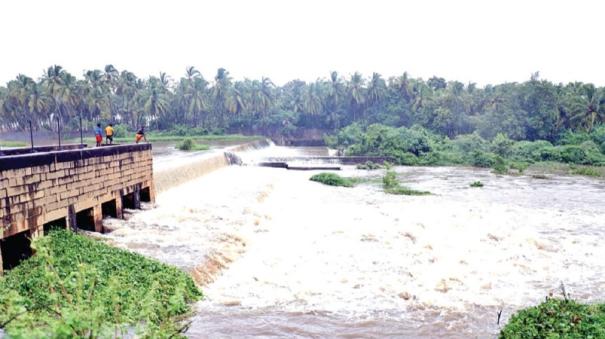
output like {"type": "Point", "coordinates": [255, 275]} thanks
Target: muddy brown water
{"type": "Point", "coordinates": [280, 256]}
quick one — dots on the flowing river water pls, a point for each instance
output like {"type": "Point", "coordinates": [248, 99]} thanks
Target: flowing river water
{"type": "Point", "coordinates": [279, 255]}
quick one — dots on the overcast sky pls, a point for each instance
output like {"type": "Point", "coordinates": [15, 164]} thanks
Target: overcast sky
{"type": "Point", "coordinates": [483, 41]}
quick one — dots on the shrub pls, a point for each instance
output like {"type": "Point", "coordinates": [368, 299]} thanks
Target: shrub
{"type": "Point", "coordinates": [502, 145]}
{"type": "Point", "coordinates": [574, 138]}
{"type": "Point", "coordinates": [390, 180]}
{"type": "Point", "coordinates": [548, 153]}
{"type": "Point", "coordinates": [519, 166]}
{"type": "Point", "coordinates": [500, 166]}
{"type": "Point", "coordinates": [470, 143]}
{"type": "Point", "coordinates": [483, 159]}
{"type": "Point", "coordinates": [598, 136]}
{"type": "Point", "coordinates": [557, 318]}
{"type": "Point", "coordinates": [476, 184]}
{"type": "Point", "coordinates": [186, 145]}
{"type": "Point", "coordinates": [333, 179]}
{"type": "Point", "coordinates": [573, 154]}
{"type": "Point", "coordinates": [538, 150]}
{"type": "Point", "coordinates": [190, 145]}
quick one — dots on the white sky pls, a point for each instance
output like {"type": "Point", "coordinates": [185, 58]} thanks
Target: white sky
{"type": "Point", "coordinates": [484, 41]}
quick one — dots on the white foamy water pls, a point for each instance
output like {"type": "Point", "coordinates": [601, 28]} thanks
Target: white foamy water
{"type": "Point", "coordinates": [280, 255]}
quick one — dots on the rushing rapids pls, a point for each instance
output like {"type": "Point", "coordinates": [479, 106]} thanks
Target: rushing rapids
{"type": "Point", "coordinates": [279, 255]}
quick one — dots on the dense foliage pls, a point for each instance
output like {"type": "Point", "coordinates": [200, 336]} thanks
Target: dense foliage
{"type": "Point", "coordinates": [533, 110]}
{"type": "Point", "coordinates": [557, 318]}
{"type": "Point", "coordinates": [78, 287]}
{"type": "Point", "coordinates": [418, 146]}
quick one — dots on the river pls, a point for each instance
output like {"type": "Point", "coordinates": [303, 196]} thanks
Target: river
{"type": "Point", "coordinates": [279, 255]}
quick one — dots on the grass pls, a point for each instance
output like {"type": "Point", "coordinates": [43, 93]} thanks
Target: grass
{"type": "Point", "coordinates": [333, 179]}
{"type": "Point", "coordinates": [557, 318]}
{"type": "Point", "coordinates": [402, 190]}
{"type": "Point", "coordinates": [190, 145]}
{"type": "Point", "coordinates": [10, 143]}
{"type": "Point", "coordinates": [476, 184]}
{"type": "Point", "coordinates": [78, 287]}
{"type": "Point", "coordinates": [590, 171]}
{"type": "Point", "coordinates": [551, 167]}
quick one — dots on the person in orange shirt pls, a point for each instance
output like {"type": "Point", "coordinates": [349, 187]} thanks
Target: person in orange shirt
{"type": "Point", "coordinates": [109, 134]}
{"type": "Point", "coordinates": [140, 135]}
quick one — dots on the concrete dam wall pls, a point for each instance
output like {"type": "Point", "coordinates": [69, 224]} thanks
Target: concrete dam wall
{"type": "Point", "coordinates": [167, 178]}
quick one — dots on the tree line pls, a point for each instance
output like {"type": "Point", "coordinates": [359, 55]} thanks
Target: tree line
{"type": "Point", "coordinates": [536, 109]}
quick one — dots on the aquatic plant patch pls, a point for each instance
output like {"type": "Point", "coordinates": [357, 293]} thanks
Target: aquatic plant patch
{"type": "Point", "coordinates": [476, 184]}
{"type": "Point", "coordinates": [557, 318]}
{"type": "Point", "coordinates": [333, 179]}
{"type": "Point", "coordinates": [75, 286]}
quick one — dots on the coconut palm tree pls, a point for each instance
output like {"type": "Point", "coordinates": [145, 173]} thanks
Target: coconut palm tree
{"type": "Point", "coordinates": [356, 94]}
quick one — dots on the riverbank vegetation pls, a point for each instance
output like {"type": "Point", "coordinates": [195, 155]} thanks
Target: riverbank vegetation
{"type": "Point", "coordinates": [419, 146]}
{"type": "Point", "coordinates": [557, 318]}
{"type": "Point", "coordinates": [78, 287]}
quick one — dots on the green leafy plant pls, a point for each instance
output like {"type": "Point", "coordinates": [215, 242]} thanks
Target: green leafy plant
{"type": "Point", "coordinates": [499, 166]}
{"type": "Point", "coordinates": [78, 287]}
{"type": "Point", "coordinates": [556, 318]}
{"type": "Point", "coordinates": [476, 184]}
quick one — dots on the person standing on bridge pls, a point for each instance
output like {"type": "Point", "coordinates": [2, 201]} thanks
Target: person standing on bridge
{"type": "Point", "coordinates": [98, 135]}
{"type": "Point", "coordinates": [140, 135]}
{"type": "Point", "coordinates": [109, 134]}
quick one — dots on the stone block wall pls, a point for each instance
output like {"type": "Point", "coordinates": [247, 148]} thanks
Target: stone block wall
{"type": "Point", "coordinates": [38, 188]}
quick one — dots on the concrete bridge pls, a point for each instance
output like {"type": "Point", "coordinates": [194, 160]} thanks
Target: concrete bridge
{"type": "Point", "coordinates": [74, 186]}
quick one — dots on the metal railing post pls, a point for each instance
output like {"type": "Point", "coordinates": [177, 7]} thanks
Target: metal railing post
{"type": "Point", "coordinates": [31, 135]}
{"type": "Point", "coordinates": [59, 129]}
{"type": "Point", "coordinates": [81, 137]}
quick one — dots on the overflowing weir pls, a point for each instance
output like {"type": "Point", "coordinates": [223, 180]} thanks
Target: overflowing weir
{"type": "Point", "coordinates": [165, 177]}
